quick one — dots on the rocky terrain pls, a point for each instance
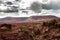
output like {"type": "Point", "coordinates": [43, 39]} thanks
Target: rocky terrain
{"type": "Point", "coordinates": [30, 28]}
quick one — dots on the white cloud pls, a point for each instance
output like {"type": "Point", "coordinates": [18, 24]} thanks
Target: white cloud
{"type": "Point", "coordinates": [27, 3]}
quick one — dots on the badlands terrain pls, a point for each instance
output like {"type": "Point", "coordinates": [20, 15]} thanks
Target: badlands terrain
{"type": "Point", "coordinates": [30, 28]}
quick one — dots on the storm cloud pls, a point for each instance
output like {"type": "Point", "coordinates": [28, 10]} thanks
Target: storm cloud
{"type": "Point", "coordinates": [52, 5]}
{"type": "Point", "coordinates": [36, 7]}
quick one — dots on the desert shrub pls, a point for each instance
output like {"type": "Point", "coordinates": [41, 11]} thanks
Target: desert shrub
{"type": "Point", "coordinates": [53, 37]}
{"type": "Point", "coordinates": [43, 24]}
{"type": "Point", "coordinates": [35, 33]}
{"type": "Point", "coordinates": [9, 29]}
{"type": "Point", "coordinates": [23, 29]}
{"type": "Point", "coordinates": [8, 26]}
{"type": "Point", "coordinates": [58, 31]}
{"type": "Point", "coordinates": [52, 22]}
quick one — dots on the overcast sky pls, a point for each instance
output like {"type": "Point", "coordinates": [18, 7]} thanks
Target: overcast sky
{"type": "Point", "coordinates": [49, 7]}
{"type": "Point", "coordinates": [52, 8]}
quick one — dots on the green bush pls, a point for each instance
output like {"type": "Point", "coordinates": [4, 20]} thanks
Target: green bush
{"type": "Point", "coordinates": [23, 29]}
{"type": "Point", "coordinates": [9, 29]}
{"type": "Point", "coordinates": [37, 32]}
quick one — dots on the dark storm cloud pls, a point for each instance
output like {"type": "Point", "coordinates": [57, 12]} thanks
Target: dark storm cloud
{"type": "Point", "coordinates": [16, 0]}
{"type": "Point", "coordinates": [36, 7]}
{"type": "Point", "coordinates": [51, 5]}
{"type": "Point", "coordinates": [9, 3]}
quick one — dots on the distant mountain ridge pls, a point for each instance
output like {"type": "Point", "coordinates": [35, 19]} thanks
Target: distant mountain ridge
{"type": "Point", "coordinates": [25, 19]}
{"type": "Point", "coordinates": [43, 17]}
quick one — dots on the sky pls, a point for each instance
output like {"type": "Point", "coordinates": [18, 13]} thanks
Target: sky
{"type": "Point", "coordinates": [49, 7]}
